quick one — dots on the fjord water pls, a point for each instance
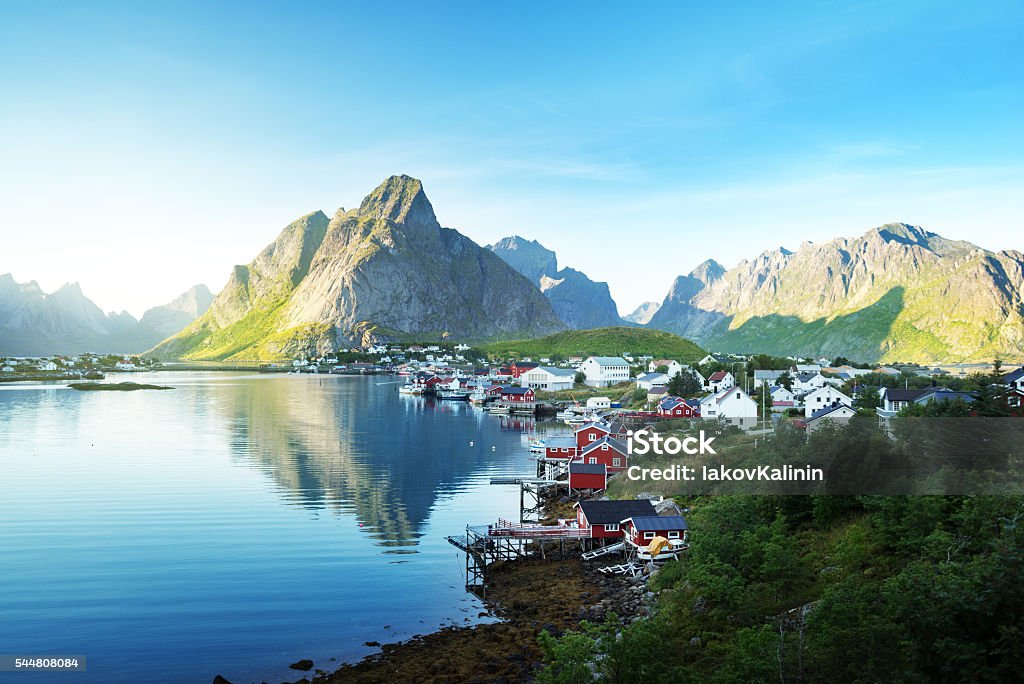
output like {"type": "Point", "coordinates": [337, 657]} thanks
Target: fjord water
{"type": "Point", "coordinates": [238, 523]}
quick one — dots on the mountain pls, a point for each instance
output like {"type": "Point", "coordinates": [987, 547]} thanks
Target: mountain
{"type": "Point", "coordinates": [896, 293]}
{"type": "Point", "coordinates": [34, 323]}
{"type": "Point", "coordinates": [642, 314]}
{"type": "Point", "coordinates": [171, 317]}
{"type": "Point", "coordinates": [579, 301]}
{"type": "Point", "coordinates": [384, 271]}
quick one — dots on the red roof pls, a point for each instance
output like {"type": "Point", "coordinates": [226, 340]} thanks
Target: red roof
{"type": "Point", "coordinates": [716, 376]}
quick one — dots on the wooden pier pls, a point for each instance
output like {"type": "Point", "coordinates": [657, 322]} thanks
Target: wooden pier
{"type": "Point", "coordinates": [507, 541]}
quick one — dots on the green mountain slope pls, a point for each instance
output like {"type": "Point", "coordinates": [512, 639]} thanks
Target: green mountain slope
{"type": "Point", "coordinates": [602, 342]}
{"type": "Point", "coordinates": [897, 293]}
{"type": "Point", "coordinates": [386, 270]}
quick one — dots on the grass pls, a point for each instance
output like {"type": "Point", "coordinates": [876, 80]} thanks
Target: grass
{"type": "Point", "coordinates": [601, 342]}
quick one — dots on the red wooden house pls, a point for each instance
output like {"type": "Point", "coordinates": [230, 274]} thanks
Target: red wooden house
{"type": "Point", "coordinates": [607, 451]}
{"type": "Point", "coordinates": [517, 395]}
{"type": "Point", "coordinates": [560, 448]}
{"type": "Point", "coordinates": [639, 530]}
{"type": "Point", "coordinates": [591, 432]}
{"type": "Point", "coordinates": [674, 407]}
{"type": "Point", "coordinates": [588, 476]}
{"type": "Point", "coordinates": [602, 518]}
{"type": "Point", "coordinates": [520, 367]}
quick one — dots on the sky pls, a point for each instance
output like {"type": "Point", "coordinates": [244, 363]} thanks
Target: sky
{"type": "Point", "coordinates": [146, 147]}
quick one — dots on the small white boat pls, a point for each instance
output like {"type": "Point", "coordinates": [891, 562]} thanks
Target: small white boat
{"type": "Point", "coordinates": [478, 397]}
{"type": "Point", "coordinates": [537, 446]}
{"type": "Point", "coordinates": [498, 409]}
{"type": "Point", "coordinates": [410, 389]}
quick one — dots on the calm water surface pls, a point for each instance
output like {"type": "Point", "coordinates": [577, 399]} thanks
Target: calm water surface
{"type": "Point", "coordinates": [238, 523]}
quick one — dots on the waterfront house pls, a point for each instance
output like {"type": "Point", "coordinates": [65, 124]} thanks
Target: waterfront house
{"type": "Point", "coordinates": [592, 432]}
{"type": "Point", "coordinates": [607, 451]}
{"type": "Point", "coordinates": [719, 381]}
{"type": "Point", "coordinates": [731, 406]}
{"type": "Point", "coordinates": [604, 371]}
{"type": "Point", "coordinates": [51, 366]}
{"type": "Point", "coordinates": [517, 395]}
{"type": "Point", "coordinates": [782, 398]}
{"type": "Point", "coordinates": [599, 403]}
{"type": "Point", "coordinates": [602, 519]}
{"type": "Point", "coordinates": [548, 378]}
{"type": "Point", "coordinates": [560, 448]}
{"type": "Point", "coordinates": [648, 381]}
{"type": "Point", "coordinates": [836, 413]}
{"type": "Point", "coordinates": [588, 476]}
{"type": "Point", "coordinates": [822, 397]}
{"type": "Point", "coordinates": [639, 530]}
{"type": "Point", "coordinates": [677, 407]}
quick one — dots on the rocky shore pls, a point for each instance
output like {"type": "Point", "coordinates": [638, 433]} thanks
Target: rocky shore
{"type": "Point", "coordinates": [530, 596]}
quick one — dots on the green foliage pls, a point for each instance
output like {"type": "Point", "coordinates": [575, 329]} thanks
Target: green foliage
{"type": "Point", "coordinates": [601, 342]}
{"type": "Point", "coordinates": [684, 384]}
{"type": "Point", "coordinates": [827, 589]}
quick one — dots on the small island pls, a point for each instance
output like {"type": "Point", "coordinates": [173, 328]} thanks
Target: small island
{"type": "Point", "coordinates": [114, 386]}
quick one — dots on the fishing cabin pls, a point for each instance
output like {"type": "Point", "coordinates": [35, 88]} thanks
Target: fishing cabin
{"type": "Point", "coordinates": [601, 519]}
{"type": "Point", "coordinates": [639, 530]}
{"type": "Point", "coordinates": [587, 477]}
{"type": "Point", "coordinates": [607, 451]}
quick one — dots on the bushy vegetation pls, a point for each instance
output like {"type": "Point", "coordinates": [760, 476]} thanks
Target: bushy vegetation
{"type": "Point", "coordinates": [601, 342]}
{"type": "Point", "coordinates": [824, 589]}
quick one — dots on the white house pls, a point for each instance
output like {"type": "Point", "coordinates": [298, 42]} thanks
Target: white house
{"type": "Point", "coordinates": [604, 371]}
{"type": "Point", "coordinates": [673, 366]}
{"type": "Point", "coordinates": [6, 369]}
{"type": "Point", "coordinates": [806, 368]}
{"type": "Point", "coordinates": [648, 381]}
{"type": "Point", "coordinates": [731, 406]}
{"type": "Point", "coordinates": [782, 398]}
{"type": "Point", "coordinates": [548, 378]}
{"type": "Point", "coordinates": [805, 383]}
{"type": "Point", "coordinates": [47, 366]}
{"type": "Point", "coordinates": [720, 380]}
{"type": "Point", "coordinates": [599, 403]}
{"type": "Point", "coordinates": [824, 397]}
{"type": "Point", "coordinates": [837, 413]}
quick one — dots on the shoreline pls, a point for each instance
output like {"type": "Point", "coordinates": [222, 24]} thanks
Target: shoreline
{"type": "Point", "coordinates": [529, 595]}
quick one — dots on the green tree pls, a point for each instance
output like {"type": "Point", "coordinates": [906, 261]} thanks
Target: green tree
{"type": "Point", "coordinates": [580, 378]}
{"type": "Point", "coordinates": [684, 384]}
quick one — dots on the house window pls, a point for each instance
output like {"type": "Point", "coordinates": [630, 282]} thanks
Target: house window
{"type": "Point", "coordinates": [648, 535]}
{"type": "Point", "coordinates": [616, 461]}
{"type": "Point", "coordinates": [565, 451]}
{"type": "Point", "coordinates": [611, 528]}
{"type": "Point", "coordinates": [592, 437]}
{"type": "Point", "coordinates": [673, 535]}
{"type": "Point", "coordinates": [593, 460]}
{"type": "Point", "coordinates": [604, 447]}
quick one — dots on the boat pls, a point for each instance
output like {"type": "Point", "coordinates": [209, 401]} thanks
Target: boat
{"type": "Point", "coordinates": [453, 395]}
{"type": "Point", "coordinates": [478, 397]}
{"type": "Point", "coordinates": [537, 446]}
{"type": "Point", "coordinates": [672, 552]}
{"type": "Point", "coordinates": [499, 409]}
{"type": "Point", "coordinates": [410, 389]}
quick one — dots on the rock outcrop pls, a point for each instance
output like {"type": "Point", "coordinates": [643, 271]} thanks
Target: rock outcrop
{"type": "Point", "coordinates": [384, 271]}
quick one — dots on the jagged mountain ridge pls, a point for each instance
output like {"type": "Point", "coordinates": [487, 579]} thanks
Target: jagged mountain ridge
{"type": "Point", "coordinates": [386, 270]}
{"type": "Point", "coordinates": [66, 322]}
{"type": "Point", "coordinates": [579, 302]}
{"type": "Point", "coordinates": [642, 314]}
{"type": "Point", "coordinates": [896, 293]}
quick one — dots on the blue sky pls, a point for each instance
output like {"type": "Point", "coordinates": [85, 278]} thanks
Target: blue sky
{"type": "Point", "coordinates": [148, 148]}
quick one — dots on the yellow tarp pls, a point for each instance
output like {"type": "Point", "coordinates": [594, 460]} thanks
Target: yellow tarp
{"type": "Point", "coordinates": [657, 545]}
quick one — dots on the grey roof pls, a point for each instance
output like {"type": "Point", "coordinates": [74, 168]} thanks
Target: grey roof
{"type": "Point", "coordinates": [560, 372]}
{"type": "Point", "coordinates": [587, 468]}
{"type": "Point", "coordinates": [614, 512]}
{"type": "Point", "coordinates": [648, 523]}
{"type": "Point", "coordinates": [822, 412]}
{"type": "Point", "coordinates": [610, 441]}
{"type": "Point", "coordinates": [804, 377]}
{"type": "Point", "coordinates": [770, 375]}
{"type": "Point", "coordinates": [609, 360]}
{"type": "Point", "coordinates": [647, 377]}
{"type": "Point", "coordinates": [559, 442]}
{"type": "Point", "coordinates": [514, 390]}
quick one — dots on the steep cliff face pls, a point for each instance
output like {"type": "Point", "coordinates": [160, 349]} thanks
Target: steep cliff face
{"type": "Point", "coordinates": [897, 292]}
{"type": "Point", "coordinates": [578, 301]}
{"type": "Point", "coordinates": [386, 270]}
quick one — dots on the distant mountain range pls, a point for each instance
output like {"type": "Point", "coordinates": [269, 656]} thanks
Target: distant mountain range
{"type": "Point", "coordinates": [896, 293]}
{"type": "Point", "coordinates": [387, 270]}
{"type": "Point", "coordinates": [34, 323]}
{"type": "Point", "coordinates": [384, 271]}
{"type": "Point", "coordinates": [578, 301]}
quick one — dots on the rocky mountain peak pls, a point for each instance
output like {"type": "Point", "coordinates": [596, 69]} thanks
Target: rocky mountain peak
{"type": "Point", "coordinates": [708, 272]}
{"type": "Point", "coordinates": [400, 199]}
